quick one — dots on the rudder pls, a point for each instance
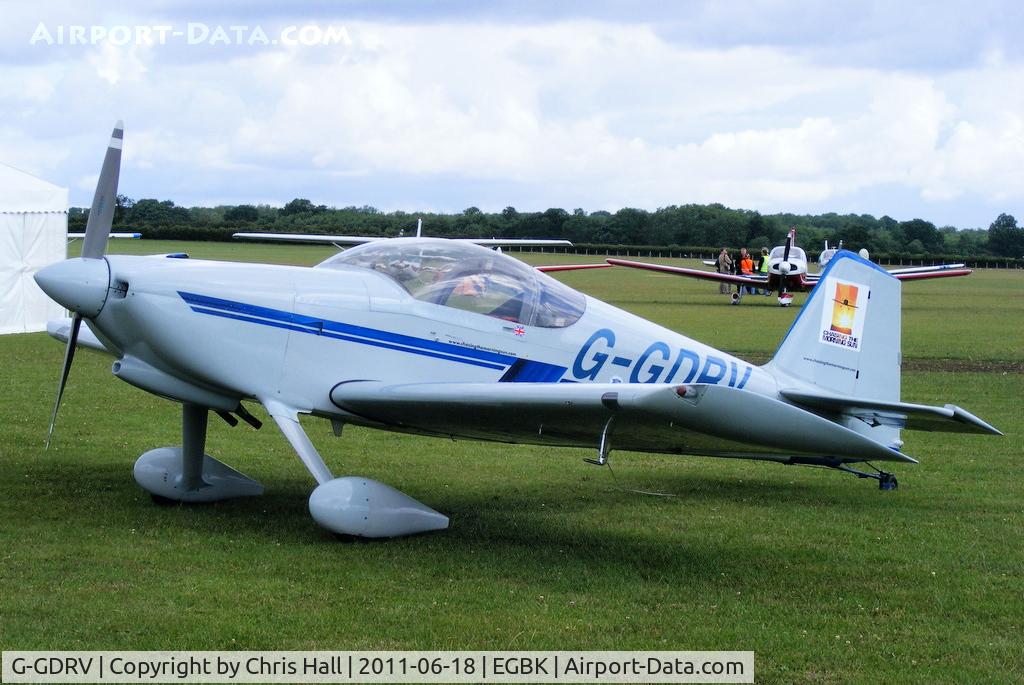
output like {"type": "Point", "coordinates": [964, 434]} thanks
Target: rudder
{"type": "Point", "coordinates": [846, 339]}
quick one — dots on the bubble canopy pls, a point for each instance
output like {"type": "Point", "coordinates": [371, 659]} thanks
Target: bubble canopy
{"type": "Point", "coordinates": [468, 277]}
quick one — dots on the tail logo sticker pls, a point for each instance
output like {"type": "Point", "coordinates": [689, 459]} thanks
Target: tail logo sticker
{"type": "Point", "coordinates": [842, 316]}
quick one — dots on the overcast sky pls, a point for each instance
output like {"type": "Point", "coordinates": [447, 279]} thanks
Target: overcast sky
{"type": "Point", "coordinates": [899, 108]}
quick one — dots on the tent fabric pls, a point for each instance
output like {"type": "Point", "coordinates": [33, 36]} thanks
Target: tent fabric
{"type": "Point", "coordinates": [23, 192]}
{"type": "Point", "coordinates": [33, 234]}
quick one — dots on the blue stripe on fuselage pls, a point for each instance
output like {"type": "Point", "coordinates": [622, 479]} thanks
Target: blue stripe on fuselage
{"type": "Point", "coordinates": [277, 318]}
{"type": "Point", "coordinates": [529, 371]}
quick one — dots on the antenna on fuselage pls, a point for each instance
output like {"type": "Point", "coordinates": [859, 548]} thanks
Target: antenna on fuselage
{"type": "Point", "coordinates": [419, 226]}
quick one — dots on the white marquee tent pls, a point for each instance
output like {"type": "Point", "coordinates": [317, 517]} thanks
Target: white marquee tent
{"type": "Point", "coordinates": [33, 233]}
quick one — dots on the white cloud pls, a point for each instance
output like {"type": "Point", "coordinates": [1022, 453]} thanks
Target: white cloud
{"type": "Point", "coordinates": [599, 114]}
{"type": "Point", "coordinates": [119, 63]}
{"type": "Point", "coordinates": [38, 157]}
{"type": "Point", "coordinates": [88, 182]}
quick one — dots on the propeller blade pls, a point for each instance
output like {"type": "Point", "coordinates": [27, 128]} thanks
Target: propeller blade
{"type": "Point", "coordinates": [69, 356]}
{"type": "Point", "coordinates": [101, 216]}
{"type": "Point", "coordinates": [789, 244]}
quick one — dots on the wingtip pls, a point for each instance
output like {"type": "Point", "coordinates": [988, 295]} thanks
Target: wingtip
{"type": "Point", "coordinates": [990, 429]}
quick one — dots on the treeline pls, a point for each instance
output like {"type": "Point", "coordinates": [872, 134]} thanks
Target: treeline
{"type": "Point", "coordinates": [708, 226]}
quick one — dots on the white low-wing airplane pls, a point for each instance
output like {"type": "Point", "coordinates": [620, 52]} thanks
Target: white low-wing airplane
{"type": "Point", "coordinates": [444, 338]}
{"type": "Point", "coordinates": [787, 272]}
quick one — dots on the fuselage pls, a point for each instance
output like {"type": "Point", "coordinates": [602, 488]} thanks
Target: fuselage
{"type": "Point", "coordinates": [291, 334]}
{"type": "Point", "coordinates": [788, 273]}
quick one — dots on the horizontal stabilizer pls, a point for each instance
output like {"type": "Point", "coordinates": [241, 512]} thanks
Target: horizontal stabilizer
{"type": "Point", "coordinates": [948, 419]}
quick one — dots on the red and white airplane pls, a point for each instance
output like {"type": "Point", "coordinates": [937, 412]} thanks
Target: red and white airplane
{"type": "Point", "coordinates": [787, 272]}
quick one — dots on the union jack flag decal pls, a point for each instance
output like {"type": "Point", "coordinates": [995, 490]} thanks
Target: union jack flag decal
{"type": "Point", "coordinates": [519, 330]}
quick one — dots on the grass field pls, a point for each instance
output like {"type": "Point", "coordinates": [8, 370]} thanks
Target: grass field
{"type": "Point", "coordinates": [825, 577]}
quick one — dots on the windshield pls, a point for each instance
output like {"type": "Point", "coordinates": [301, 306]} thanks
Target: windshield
{"type": "Point", "coordinates": [795, 253]}
{"type": "Point", "coordinates": [468, 277]}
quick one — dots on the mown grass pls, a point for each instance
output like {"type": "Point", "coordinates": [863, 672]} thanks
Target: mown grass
{"type": "Point", "coordinates": [823, 576]}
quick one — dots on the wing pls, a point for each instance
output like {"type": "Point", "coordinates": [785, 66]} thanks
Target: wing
{"type": "Point", "coordinates": [709, 420]}
{"type": "Point", "coordinates": [308, 238]}
{"type": "Point", "coordinates": [917, 273]}
{"type": "Point", "coordinates": [129, 236]}
{"type": "Point", "coordinates": [360, 239]}
{"type": "Point", "coordinates": [571, 267]}
{"type": "Point", "coordinates": [513, 242]}
{"type": "Point", "coordinates": [756, 281]}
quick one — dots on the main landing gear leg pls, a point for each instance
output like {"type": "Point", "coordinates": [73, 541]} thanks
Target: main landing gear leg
{"type": "Point", "coordinates": [886, 480]}
{"type": "Point", "coordinates": [353, 506]}
{"type": "Point", "coordinates": [186, 473]}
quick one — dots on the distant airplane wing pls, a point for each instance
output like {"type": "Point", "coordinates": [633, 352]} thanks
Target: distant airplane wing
{"type": "Point", "coordinates": [927, 269]}
{"type": "Point", "coordinates": [571, 267]}
{"type": "Point", "coordinates": [129, 236]}
{"type": "Point", "coordinates": [938, 271]}
{"type": "Point", "coordinates": [673, 419]}
{"type": "Point", "coordinates": [309, 238]}
{"type": "Point", "coordinates": [513, 242]}
{"type": "Point", "coordinates": [915, 273]}
{"type": "Point", "coordinates": [360, 239]}
{"type": "Point", "coordinates": [756, 281]}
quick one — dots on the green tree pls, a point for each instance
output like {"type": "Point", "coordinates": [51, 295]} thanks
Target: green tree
{"type": "Point", "coordinates": [153, 212]}
{"type": "Point", "coordinates": [924, 232]}
{"type": "Point", "coordinates": [630, 226]}
{"type": "Point", "coordinates": [122, 203]}
{"type": "Point", "coordinates": [1005, 238]}
{"type": "Point", "coordinates": [301, 206]}
{"type": "Point", "coordinates": [76, 219]}
{"type": "Point", "coordinates": [242, 214]}
{"type": "Point", "coordinates": [555, 217]}
{"type": "Point", "coordinates": [973, 242]}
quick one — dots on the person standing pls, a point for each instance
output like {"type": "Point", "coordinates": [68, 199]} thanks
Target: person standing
{"type": "Point", "coordinates": [746, 263]}
{"type": "Point", "coordinates": [746, 268]}
{"type": "Point", "coordinates": [724, 267]}
{"type": "Point", "coordinates": [762, 268]}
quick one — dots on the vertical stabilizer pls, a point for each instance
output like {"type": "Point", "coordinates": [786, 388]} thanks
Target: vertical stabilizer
{"type": "Point", "coordinates": [846, 339]}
